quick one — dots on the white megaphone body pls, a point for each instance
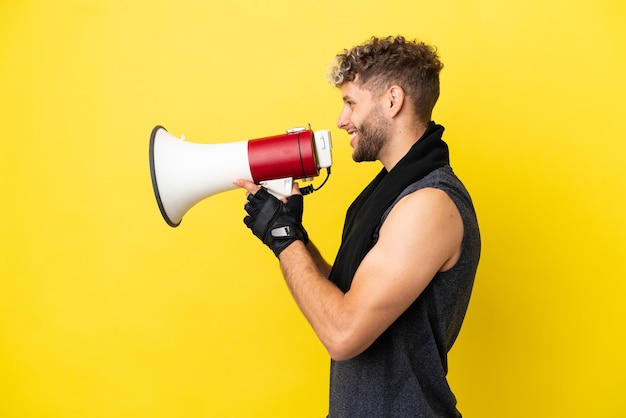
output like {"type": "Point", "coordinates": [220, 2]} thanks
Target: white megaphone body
{"type": "Point", "coordinates": [184, 173]}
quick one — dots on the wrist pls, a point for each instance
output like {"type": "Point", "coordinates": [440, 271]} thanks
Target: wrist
{"type": "Point", "coordinates": [293, 234]}
{"type": "Point", "coordinates": [295, 247]}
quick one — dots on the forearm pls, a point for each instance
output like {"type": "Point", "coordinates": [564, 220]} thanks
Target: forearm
{"type": "Point", "coordinates": [319, 261]}
{"type": "Point", "coordinates": [321, 302]}
{"type": "Point", "coordinates": [278, 224]}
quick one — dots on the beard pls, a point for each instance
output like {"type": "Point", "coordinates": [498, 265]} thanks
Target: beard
{"type": "Point", "coordinates": [372, 136]}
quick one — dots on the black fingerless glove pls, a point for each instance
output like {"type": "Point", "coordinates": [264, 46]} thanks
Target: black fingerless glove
{"type": "Point", "coordinates": [274, 222]}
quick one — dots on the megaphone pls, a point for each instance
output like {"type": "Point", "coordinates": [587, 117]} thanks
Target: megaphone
{"type": "Point", "coordinates": [184, 173]}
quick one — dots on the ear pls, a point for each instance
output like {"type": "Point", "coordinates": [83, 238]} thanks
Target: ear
{"type": "Point", "coordinates": [396, 97]}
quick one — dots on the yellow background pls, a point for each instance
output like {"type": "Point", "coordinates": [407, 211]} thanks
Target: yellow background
{"type": "Point", "coordinates": [105, 311]}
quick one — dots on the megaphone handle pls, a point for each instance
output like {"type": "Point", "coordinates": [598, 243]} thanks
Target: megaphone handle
{"type": "Point", "coordinates": [279, 188]}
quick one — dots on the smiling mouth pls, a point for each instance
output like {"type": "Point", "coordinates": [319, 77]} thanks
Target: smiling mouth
{"type": "Point", "coordinates": [352, 134]}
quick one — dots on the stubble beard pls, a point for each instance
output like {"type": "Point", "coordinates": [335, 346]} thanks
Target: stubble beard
{"type": "Point", "coordinates": [372, 136]}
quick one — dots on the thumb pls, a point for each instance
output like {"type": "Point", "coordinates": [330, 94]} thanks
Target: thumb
{"type": "Point", "coordinates": [295, 189]}
{"type": "Point", "coordinates": [295, 205]}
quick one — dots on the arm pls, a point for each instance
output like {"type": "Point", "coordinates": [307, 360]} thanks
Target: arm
{"type": "Point", "coordinates": [319, 261]}
{"type": "Point", "coordinates": [392, 275]}
{"type": "Point", "coordinates": [421, 236]}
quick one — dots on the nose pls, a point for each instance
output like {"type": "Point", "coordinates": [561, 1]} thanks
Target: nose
{"type": "Point", "coordinates": [342, 122]}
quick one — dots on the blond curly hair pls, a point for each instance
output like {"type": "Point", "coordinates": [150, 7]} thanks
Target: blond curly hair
{"type": "Point", "coordinates": [380, 63]}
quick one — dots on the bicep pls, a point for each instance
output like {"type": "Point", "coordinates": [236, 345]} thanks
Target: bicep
{"type": "Point", "coordinates": [420, 236]}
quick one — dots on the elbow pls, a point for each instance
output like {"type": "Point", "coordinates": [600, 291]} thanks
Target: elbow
{"type": "Point", "coordinates": [344, 347]}
{"type": "Point", "coordinates": [337, 353]}
{"type": "Point", "coordinates": [340, 356]}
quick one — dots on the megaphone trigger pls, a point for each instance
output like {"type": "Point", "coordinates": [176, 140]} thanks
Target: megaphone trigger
{"type": "Point", "coordinates": [279, 188]}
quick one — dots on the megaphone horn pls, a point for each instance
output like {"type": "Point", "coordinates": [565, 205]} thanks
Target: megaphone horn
{"type": "Point", "coordinates": [184, 173]}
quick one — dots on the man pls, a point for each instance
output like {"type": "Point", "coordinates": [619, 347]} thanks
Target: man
{"type": "Point", "coordinates": [392, 304]}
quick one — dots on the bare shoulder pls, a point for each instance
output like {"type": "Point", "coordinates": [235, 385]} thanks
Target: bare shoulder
{"type": "Point", "coordinates": [423, 201]}
{"type": "Point", "coordinates": [425, 223]}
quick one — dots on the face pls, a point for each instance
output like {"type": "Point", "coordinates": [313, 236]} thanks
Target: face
{"type": "Point", "coordinates": [363, 119]}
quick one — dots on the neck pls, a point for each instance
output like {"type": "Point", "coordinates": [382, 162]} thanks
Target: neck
{"type": "Point", "coordinates": [401, 139]}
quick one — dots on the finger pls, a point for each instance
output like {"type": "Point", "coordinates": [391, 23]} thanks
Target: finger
{"type": "Point", "coordinates": [261, 194]}
{"type": "Point", "coordinates": [295, 188]}
{"type": "Point", "coordinates": [245, 184]}
{"type": "Point", "coordinates": [295, 199]}
{"type": "Point", "coordinates": [295, 205]}
{"type": "Point", "coordinates": [250, 209]}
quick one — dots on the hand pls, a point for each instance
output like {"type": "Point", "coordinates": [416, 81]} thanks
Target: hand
{"type": "Point", "coordinates": [277, 223]}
